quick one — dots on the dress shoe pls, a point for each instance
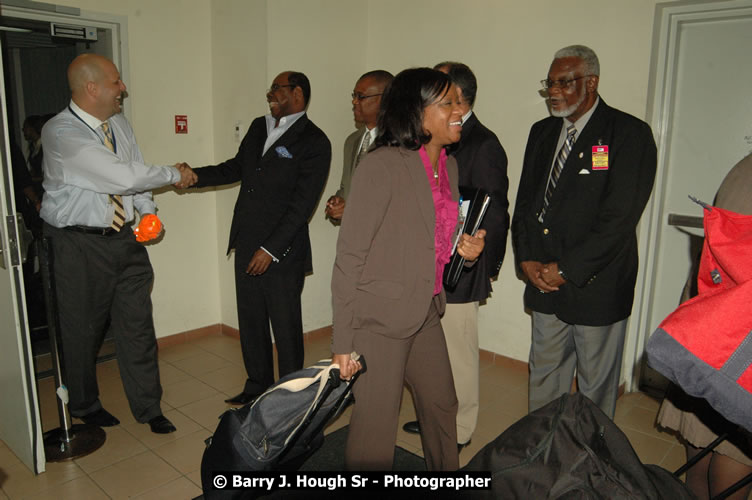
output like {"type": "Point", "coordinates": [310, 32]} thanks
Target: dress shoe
{"type": "Point", "coordinates": [242, 399]}
{"type": "Point", "coordinates": [412, 427]}
{"type": "Point", "coordinates": [101, 418]}
{"type": "Point", "coordinates": [462, 445]}
{"type": "Point", "coordinates": [160, 425]}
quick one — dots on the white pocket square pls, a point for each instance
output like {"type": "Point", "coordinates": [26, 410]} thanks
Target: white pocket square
{"type": "Point", "coordinates": [584, 171]}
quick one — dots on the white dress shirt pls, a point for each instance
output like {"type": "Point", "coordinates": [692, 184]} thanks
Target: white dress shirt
{"type": "Point", "coordinates": [273, 133]}
{"type": "Point", "coordinates": [80, 172]}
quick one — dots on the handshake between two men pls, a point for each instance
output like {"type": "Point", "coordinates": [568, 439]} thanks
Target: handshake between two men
{"type": "Point", "coordinates": [187, 176]}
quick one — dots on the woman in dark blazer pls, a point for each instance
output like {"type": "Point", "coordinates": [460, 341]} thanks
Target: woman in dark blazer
{"type": "Point", "coordinates": [395, 240]}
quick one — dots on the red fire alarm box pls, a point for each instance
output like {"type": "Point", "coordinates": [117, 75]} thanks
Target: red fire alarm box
{"type": "Point", "coordinates": [181, 124]}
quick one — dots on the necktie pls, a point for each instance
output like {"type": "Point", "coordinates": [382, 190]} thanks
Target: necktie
{"type": "Point", "coordinates": [118, 218]}
{"type": "Point", "coordinates": [363, 147]}
{"type": "Point", "coordinates": [558, 166]}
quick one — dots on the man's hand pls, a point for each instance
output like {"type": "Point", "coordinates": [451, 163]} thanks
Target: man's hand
{"type": "Point", "coordinates": [470, 247]}
{"type": "Point", "coordinates": [149, 228]}
{"type": "Point", "coordinates": [187, 176]}
{"type": "Point", "coordinates": [550, 274]}
{"type": "Point", "coordinates": [347, 366]}
{"type": "Point", "coordinates": [335, 207]}
{"type": "Point", "coordinates": [533, 271]}
{"type": "Point", "coordinates": [259, 263]}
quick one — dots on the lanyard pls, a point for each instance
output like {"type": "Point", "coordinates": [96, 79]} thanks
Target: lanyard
{"type": "Point", "coordinates": [114, 140]}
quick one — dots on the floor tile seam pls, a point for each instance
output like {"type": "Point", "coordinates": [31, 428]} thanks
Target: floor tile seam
{"type": "Point", "coordinates": [667, 440]}
{"type": "Point", "coordinates": [160, 458]}
{"type": "Point", "coordinates": [199, 423]}
{"type": "Point", "coordinates": [58, 485]}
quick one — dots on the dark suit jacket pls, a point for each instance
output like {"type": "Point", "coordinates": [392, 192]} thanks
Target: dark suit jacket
{"type": "Point", "coordinates": [278, 191]}
{"type": "Point", "coordinates": [482, 163]}
{"type": "Point", "coordinates": [384, 273]}
{"type": "Point", "coordinates": [590, 224]}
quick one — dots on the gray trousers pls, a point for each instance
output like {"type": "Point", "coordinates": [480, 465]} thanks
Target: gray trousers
{"type": "Point", "coordinates": [558, 348]}
{"type": "Point", "coordinates": [101, 281]}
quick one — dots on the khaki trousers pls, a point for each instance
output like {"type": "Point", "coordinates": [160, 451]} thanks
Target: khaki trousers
{"type": "Point", "coordinates": [460, 325]}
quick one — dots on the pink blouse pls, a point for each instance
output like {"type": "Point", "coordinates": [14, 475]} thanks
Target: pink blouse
{"type": "Point", "coordinates": [446, 213]}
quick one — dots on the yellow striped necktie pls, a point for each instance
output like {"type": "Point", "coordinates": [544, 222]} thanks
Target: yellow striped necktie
{"type": "Point", "coordinates": [118, 218]}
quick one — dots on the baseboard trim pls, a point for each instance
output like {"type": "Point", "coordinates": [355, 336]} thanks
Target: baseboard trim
{"type": "Point", "coordinates": [326, 331]}
{"type": "Point", "coordinates": [223, 329]}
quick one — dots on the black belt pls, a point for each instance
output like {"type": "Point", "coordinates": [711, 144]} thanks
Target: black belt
{"type": "Point", "coordinates": [101, 231]}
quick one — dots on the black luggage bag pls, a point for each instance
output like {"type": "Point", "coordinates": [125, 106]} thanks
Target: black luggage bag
{"type": "Point", "coordinates": [279, 430]}
{"type": "Point", "coordinates": [570, 449]}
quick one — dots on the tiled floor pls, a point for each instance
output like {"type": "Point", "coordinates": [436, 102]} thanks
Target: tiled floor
{"type": "Point", "coordinates": [198, 375]}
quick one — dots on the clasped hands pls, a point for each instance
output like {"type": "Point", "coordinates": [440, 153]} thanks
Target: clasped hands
{"type": "Point", "coordinates": [544, 277]}
{"type": "Point", "coordinates": [335, 207]}
{"type": "Point", "coordinates": [187, 176]}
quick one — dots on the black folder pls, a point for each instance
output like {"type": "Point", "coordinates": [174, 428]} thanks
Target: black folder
{"type": "Point", "coordinates": [473, 205]}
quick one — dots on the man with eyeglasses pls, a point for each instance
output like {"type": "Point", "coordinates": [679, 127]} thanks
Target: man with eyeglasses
{"type": "Point", "coordinates": [366, 102]}
{"type": "Point", "coordinates": [587, 175]}
{"type": "Point", "coordinates": [282, 165]}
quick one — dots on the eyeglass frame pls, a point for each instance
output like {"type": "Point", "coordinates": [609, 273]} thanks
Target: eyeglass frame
{"type": "Point", "coordinates": [561, 84]}
{"type": "Point", "coordinates": [275, 87]}
{"type": "Point", "coordinates": [360, 97]}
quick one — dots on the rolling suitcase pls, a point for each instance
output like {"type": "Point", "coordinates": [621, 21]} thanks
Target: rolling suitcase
{"type": "Point", "coordinates": [280, 429]}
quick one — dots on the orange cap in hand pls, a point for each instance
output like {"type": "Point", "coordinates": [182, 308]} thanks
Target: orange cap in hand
{"type": "Point", "coordinates": [149, 228]}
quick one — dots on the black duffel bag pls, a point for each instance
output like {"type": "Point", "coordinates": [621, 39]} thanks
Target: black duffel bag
{"type": "Point", "coordinates": [570, 449]}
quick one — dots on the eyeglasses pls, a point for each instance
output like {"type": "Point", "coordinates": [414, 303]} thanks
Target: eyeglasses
{"type": "Point", "coordinates": [561, 84]}
{"type": "Point", "coordinates": [275, 87]}
{"type": "Point", "coordinates": [361, 97]}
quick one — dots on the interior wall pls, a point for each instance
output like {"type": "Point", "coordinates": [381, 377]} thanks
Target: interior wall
{"type": "Point", "coordinates": [212, 60]}
{"type": "Point", "coordinates": [239, 55]}
{"type": "Point", "coordinates": [325, 39]}
{"type": "Point", "coordinates": [510, 45]}
{"type": "Point", "coordinates": [170, 73]}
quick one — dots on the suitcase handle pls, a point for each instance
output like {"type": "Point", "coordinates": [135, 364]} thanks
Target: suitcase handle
{"type": "Point", "coordinates": [334, 373]}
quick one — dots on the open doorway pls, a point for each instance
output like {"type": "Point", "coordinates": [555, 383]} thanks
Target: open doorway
{"type": "Point", "coordinates": [36, 54]}
{"type": "Point", "coordinates": [35, 84]}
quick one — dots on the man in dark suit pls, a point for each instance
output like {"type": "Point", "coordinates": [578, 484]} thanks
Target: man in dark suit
{"type": "Point", "coordinates": [366, 101]}
{"type": "Point", "coordinates": [282, 165]}
{"type": "Point", "coordinates": [587, 175]}
{"type": "Point", "coordinates": [482, 163]}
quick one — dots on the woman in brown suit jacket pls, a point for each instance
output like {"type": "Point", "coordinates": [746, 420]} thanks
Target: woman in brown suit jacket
{"type": "Point", "coordinates": [395, 239]}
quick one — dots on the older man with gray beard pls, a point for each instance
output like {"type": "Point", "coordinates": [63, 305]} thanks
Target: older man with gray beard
{"type": "Point", "coordinates": [587, 175]}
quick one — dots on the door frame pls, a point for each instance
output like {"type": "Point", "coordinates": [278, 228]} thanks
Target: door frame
{"type": "Point", "coordinates": [667, 28]}
{"type": "Point", "coordinates": [34, 457]}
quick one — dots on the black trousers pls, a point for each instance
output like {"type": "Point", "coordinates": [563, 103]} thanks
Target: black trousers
{"type": "Point", "coordinates": [103, 280]}
{"type": "Point", "coordinates": [273, 296]}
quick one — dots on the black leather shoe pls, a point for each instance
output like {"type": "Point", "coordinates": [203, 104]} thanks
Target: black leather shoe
{"type": "Point", "coordinates": [242, 399]}
{"type": "Point", "coordinates": [160, 425]}
{"type": "Point", "coordinates": [462, 445]}
{"type": "Point", "coordinates": [412, 427]}
{"type": "Point", "coordinates": [101, 417]}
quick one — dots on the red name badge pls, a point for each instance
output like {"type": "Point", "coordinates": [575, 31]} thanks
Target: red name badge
{"type": "Point", "coordinates": [600, 157]}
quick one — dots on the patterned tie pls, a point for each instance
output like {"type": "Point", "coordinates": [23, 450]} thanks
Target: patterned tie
{"type": "Point", "coordinates": [118, 218]}
{"type": "Point", "coordinates": [561, 159]}
{"type": "Point", "coordinates": [364, 147]}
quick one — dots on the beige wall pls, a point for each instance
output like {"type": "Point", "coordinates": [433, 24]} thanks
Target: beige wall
{"type": "Point", "coordinates": [170, 59]}
{"type": "Point", "coordinates": [238, 67]}
{"type": "Point", "coordinates": [230, 51]}
{"type": "Point", "coordinates": [509, 46]}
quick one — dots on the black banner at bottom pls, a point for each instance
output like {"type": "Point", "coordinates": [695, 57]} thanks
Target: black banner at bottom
{"type": "Point", "coordinates": [352, 481]}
